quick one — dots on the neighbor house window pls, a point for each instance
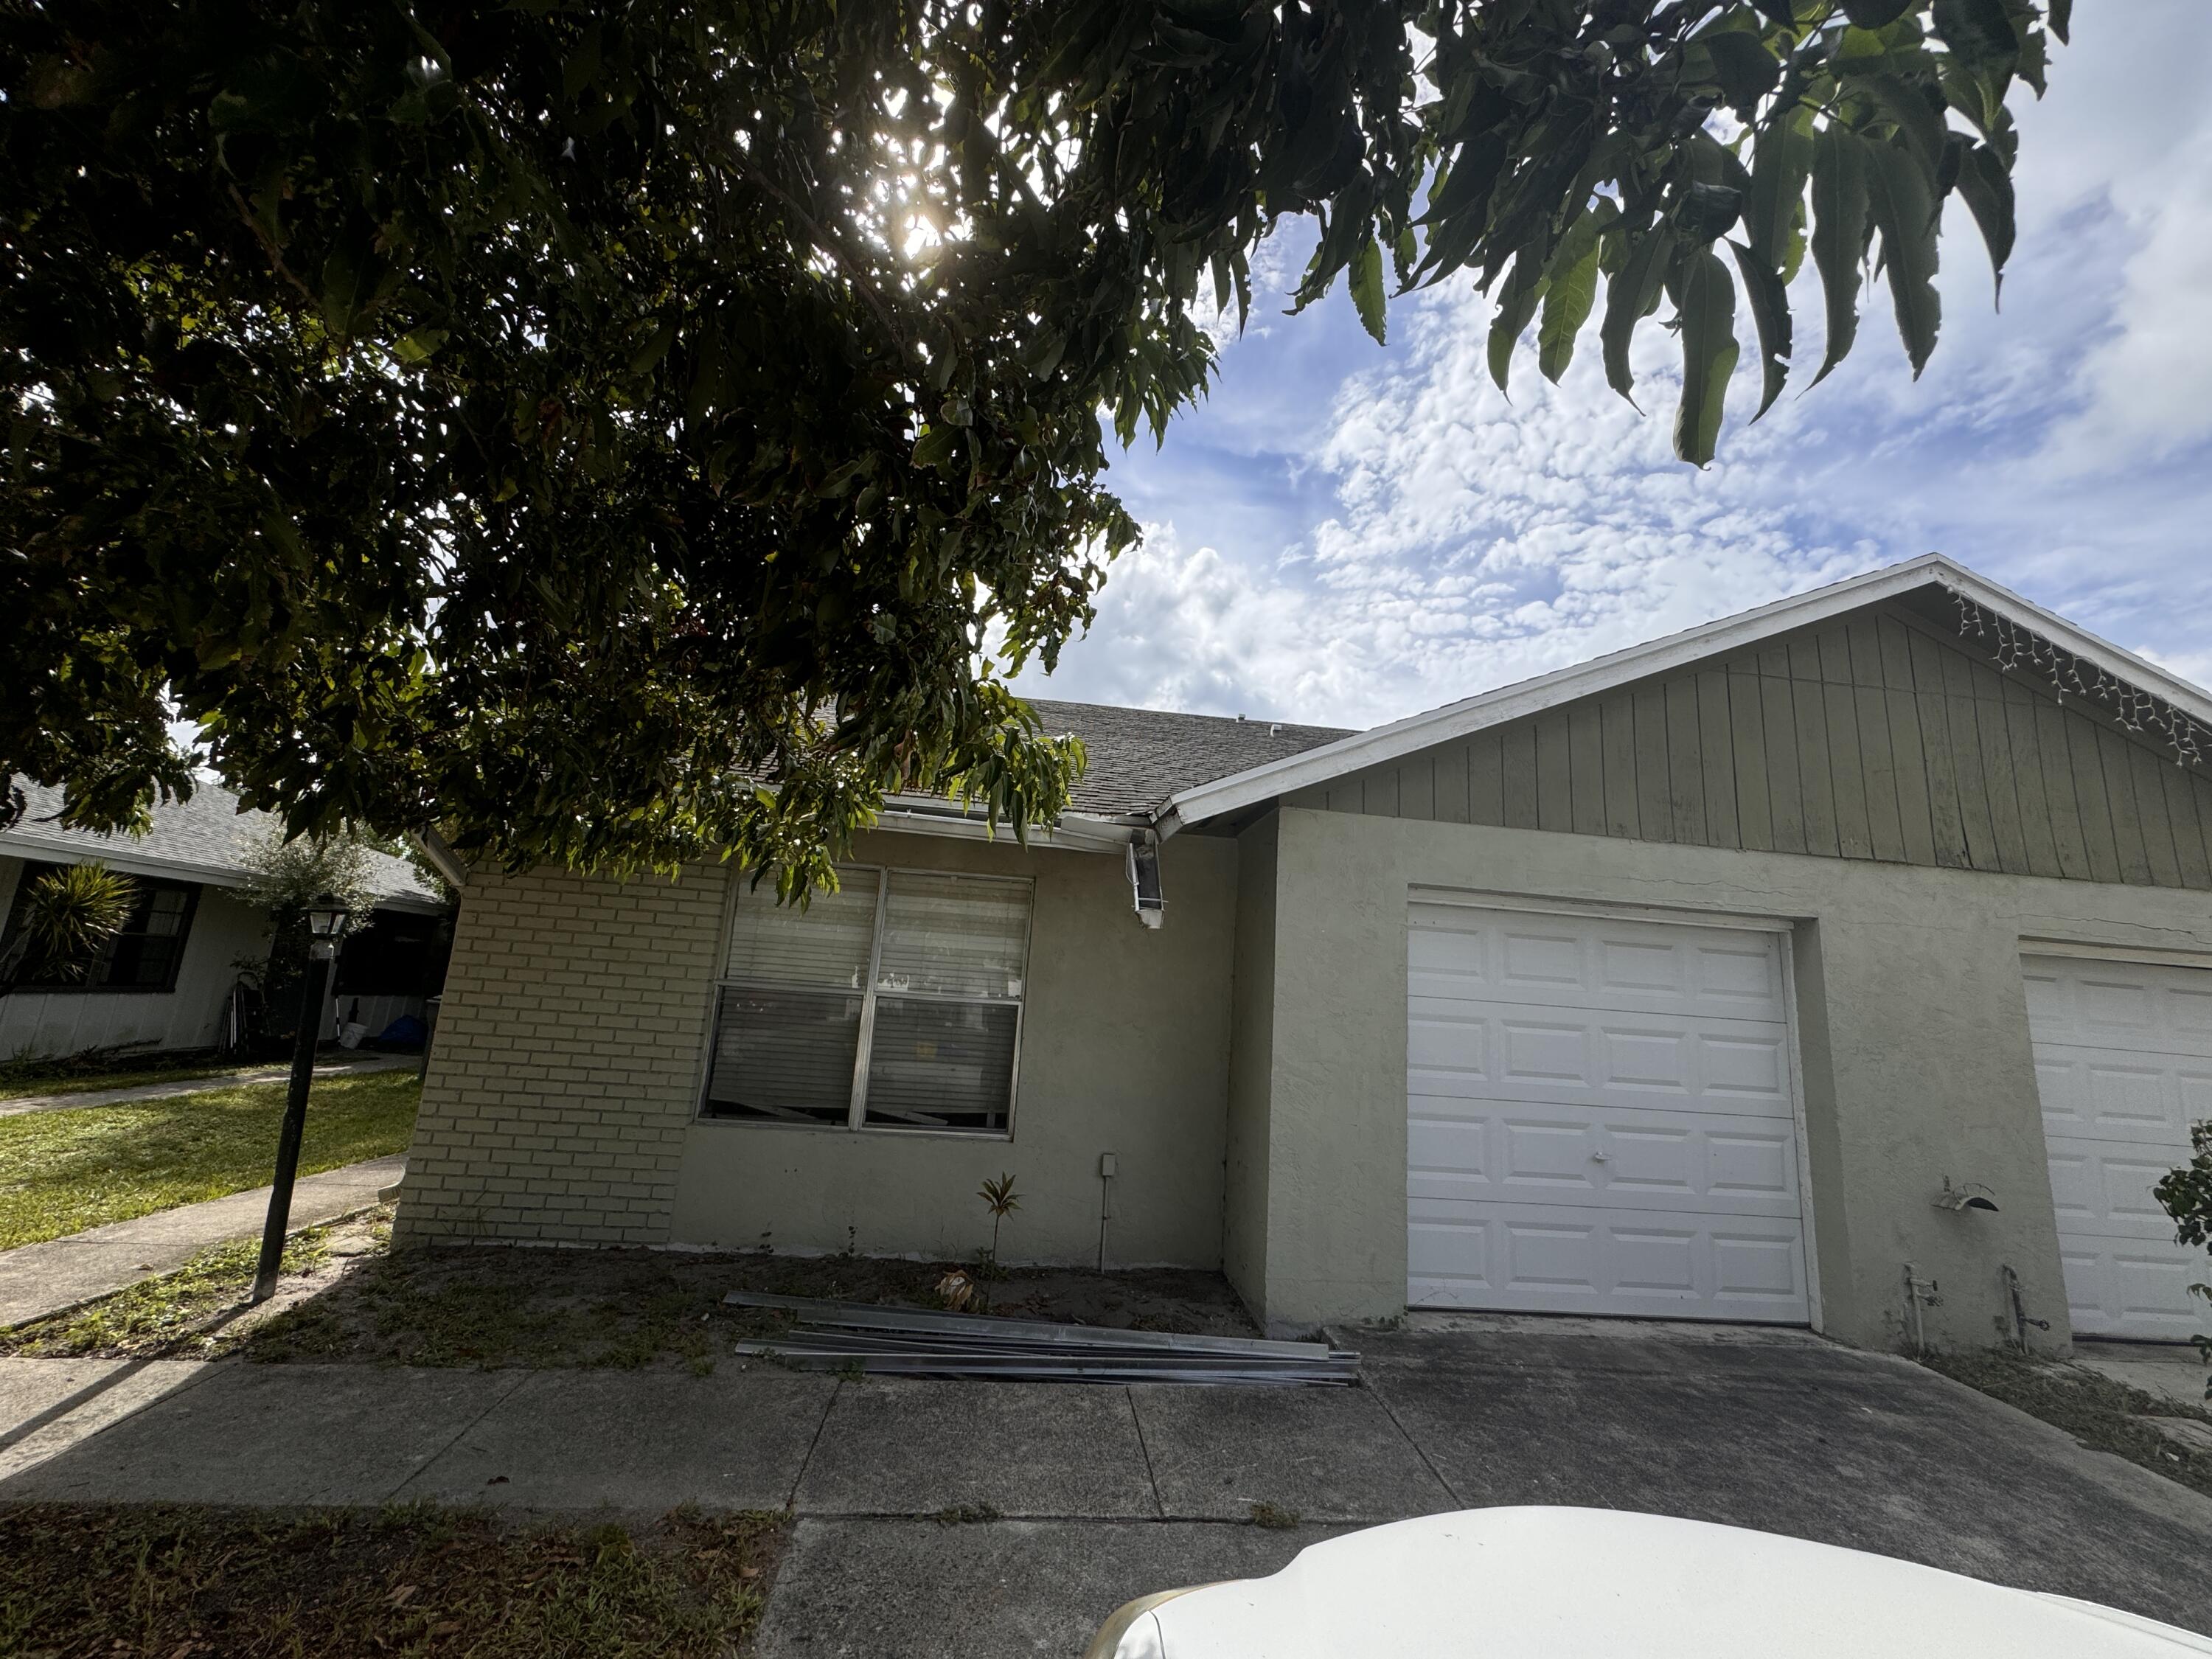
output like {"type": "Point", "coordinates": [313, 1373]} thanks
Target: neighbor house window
{"type": "Point", "coordinates": [893, 1003]}
{"type": "Point", "coordinates": [144, 956]}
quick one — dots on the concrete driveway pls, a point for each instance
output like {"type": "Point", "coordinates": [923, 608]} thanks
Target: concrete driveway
{"type": "Point", "coordinates": [1100, 1494]}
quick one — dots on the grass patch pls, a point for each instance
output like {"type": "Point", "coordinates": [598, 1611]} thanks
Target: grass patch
{"type": "Point", "coordinates": [2099, 1413]}
{"type": "Point", "coordinates": [62, 1172]}
{"type": "Point", "coordinates": [345, 1295]}
{"type": "Point", "coordinates": [158, 1316]}
{"type": "Point", "coordinates": [180, 1583]}
{"type": "Point", "coordinates": [104, 1068]}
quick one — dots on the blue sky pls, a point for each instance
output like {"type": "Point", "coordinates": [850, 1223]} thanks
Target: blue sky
{"type": "Point", "coordinates": [1346, 534]}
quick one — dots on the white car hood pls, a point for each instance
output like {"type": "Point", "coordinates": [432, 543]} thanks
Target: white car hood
{"type": "Point", "coordinates": [1573, 1583]}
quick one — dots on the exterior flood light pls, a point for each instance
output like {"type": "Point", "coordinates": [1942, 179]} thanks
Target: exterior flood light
{"type": "Point", "coordinates": [1967, 1195]}
{"type": "Point", "coordinates": [1145, 879]}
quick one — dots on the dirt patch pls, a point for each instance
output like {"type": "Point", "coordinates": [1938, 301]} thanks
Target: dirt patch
{"type": "Point", "coordinates": [346, 1297]}
{"type": "Point", "coordinates": [179, 1583]}
{"type": "Point", "coordinates": [2101, 1414]}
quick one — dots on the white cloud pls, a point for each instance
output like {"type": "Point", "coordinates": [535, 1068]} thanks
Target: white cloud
{"type": "Point", "coordinates": [1345, 536]}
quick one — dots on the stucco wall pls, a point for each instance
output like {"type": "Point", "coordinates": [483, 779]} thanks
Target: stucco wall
{"type": "Point", "coordinates": [44, 1023]}
{"type": "Point", "coordinates": [1912, 1025]}
{"type": "Point", "coordinates": [1125, 1049]}
{"type": "Point", "coordinates": [1251, 1059]}
{"type": "Point", "coordinates": [562, 1091]}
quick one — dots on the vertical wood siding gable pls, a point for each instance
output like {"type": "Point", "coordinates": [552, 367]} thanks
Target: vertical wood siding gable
{"type": "Point", "coordinates": [1874, 737]}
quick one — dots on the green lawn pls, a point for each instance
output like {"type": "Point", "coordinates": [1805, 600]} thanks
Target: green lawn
{"type": "Point", "coordinates": [63, 1171]}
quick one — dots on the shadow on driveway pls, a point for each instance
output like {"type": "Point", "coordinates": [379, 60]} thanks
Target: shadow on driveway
{"type": "Point", "coordinates": [1060, 1502]}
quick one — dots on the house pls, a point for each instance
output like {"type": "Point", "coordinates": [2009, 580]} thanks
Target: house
{"type": "Point", "coordinates": [164, 982]}
{"type": "Point", "coordinates": [1847, 963]}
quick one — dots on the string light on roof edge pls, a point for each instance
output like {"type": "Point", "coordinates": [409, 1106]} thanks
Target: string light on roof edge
{"type": "Point", "coordinates": [2133, 708]}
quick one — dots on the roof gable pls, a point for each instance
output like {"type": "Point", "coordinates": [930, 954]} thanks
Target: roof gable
{"type": "Point", "coordinates": [1926, 582]}
{"type": "Point", "coordinates": [1879, 734]}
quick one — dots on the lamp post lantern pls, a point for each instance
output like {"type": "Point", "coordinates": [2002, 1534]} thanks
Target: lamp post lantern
{"type": "Point", "coordinates": [327, 917]}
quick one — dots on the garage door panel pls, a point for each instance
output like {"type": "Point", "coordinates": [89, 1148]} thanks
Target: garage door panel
{"type": "Point", "coordinates": [1514, 1052]}
{"type": "Point", "coordinates": [1560, 1259]}
{"type": "Point", "coordinates": [2108, 1095]}
{"type": "Point", "coordinates": [1574, 962]}
{"type": "Point", "coordinates": [1599, 1119]}
{"type": "Point", "coordinates": [2123, 1067]}
{"type": "Point", "coordinates": [2115, 1288]}
{"type": "Point", "coordinates": [2136, 1007]}
{"type": "Point", "coordinates": [2107, 1190]}
{"type": "Point", "coordinates": [1535, 1154]}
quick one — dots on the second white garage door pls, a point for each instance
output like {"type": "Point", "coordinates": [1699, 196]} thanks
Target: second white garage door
{"type": "Point", "coordinates": [2124, 1059]}
{"type": "Point", "coordinates": [1600, 1118]}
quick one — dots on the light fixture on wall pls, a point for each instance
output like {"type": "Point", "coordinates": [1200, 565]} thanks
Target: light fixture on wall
{"type": "Point", "coordinates": [1966, 1195]}
{"type": "Point", "coordinates": [1145, 877]}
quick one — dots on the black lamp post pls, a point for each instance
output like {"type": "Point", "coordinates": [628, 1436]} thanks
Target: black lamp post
{"type": "Point", "coordinates": [326, 924]}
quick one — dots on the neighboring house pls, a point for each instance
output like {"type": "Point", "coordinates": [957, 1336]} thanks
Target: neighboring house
{"type": "Point", "coordinates": [1680, 984]}
{"type": "Point", "coordinates": [164, 981]}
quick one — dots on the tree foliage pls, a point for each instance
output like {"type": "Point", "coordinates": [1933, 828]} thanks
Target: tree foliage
{"type": "Point", "coordinates": [2186, 1194]}
{"type": "Point", "coordinates": [553, 420]}
{"type": "Point", "coordinates": [286, 874]}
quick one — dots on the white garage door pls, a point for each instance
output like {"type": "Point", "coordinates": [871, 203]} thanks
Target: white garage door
{"type": "Point", "coordinates": [1599, 1119]}
{"type": "Point", "coordinates": [2124, 1061]}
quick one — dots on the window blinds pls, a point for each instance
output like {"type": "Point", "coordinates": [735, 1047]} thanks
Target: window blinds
{"type": "Point", "coordinates": [805, 1033]}
{"type": "Point", "coordinates": [954, 936]}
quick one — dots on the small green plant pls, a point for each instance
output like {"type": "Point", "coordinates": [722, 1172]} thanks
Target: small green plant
{"type": "Point", "coordinates": [1273, 1516]}
{"type": "Point", "coordinates": [2186, 1194]}
{"type": "Point", "coordinates": [1000, 1198]}
{"type": "Point", "coordinates": [64, 920]}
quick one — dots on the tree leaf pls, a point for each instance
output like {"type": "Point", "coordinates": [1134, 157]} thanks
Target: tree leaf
{"type": "Point", "coordinates": [2062, 19]}
{"type": "Point", "coordinates": [1746, 70]}
{"type": "Point", "coordinates": [1770, 314]}
{"type": "Point", "coordinates": [1570, 290]}
{"type": "Point", "coordinates": [1903, 202]}
{"type": "Point", "coordinates": [1782, 160]}
{"type": "Point", "coordinates": [1708, 212]}
{"type": "Point", "coordinates": [1630, 297]}
{"type": "Point", "coordinates": [1705, 305]}
{"type": "Point", "coordinates": [1985, 187]}
{"type": "Point", "coordinates": [1875, 14]}
{"type": "Point", "coordinates": [1366, 278]}
{"type": "Point", "coordinates": [420, 346]}
{"type": "Point", "coordinates": [1516, 305]}
{"type": "Point", "coordinates": [1977, 33]}
{"type": "Point", "coordinates": [1839, 226]}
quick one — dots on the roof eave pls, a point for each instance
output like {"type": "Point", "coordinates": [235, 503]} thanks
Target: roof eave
{"type": "Point", "coordinates": [1072, 832]}
{"type": "Point", "coordinates": [1206, 801]}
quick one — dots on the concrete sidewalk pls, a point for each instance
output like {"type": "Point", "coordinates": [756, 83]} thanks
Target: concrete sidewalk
{"type": "Point", "coordinates": [39, 1279]}
{"type": "Point", "coordinates": [991, 1519]}
{"type": "Point", "coordinates": [18, 1104]}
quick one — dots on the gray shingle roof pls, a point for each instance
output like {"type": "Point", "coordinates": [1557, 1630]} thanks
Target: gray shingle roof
{"type": "Point", "coordinates": [207, 835]}
{"type": "Point", "coordinates": [1139, 756]}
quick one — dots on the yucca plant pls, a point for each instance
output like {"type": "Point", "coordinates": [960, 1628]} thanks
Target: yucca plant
{"type": "Point", "coordinates": [67, 917]}
{"type": "Point", "coordinates": [998, 1198]}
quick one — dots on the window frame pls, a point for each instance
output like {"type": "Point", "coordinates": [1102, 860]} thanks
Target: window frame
{"type": "Point", "coordinates": [863, 1042]}
{"type": "Point", "coordinates": [149, 886]}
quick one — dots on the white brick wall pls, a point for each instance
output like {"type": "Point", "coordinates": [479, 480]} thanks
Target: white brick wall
{"type": "Point", "coordinates": [566, 1059]}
